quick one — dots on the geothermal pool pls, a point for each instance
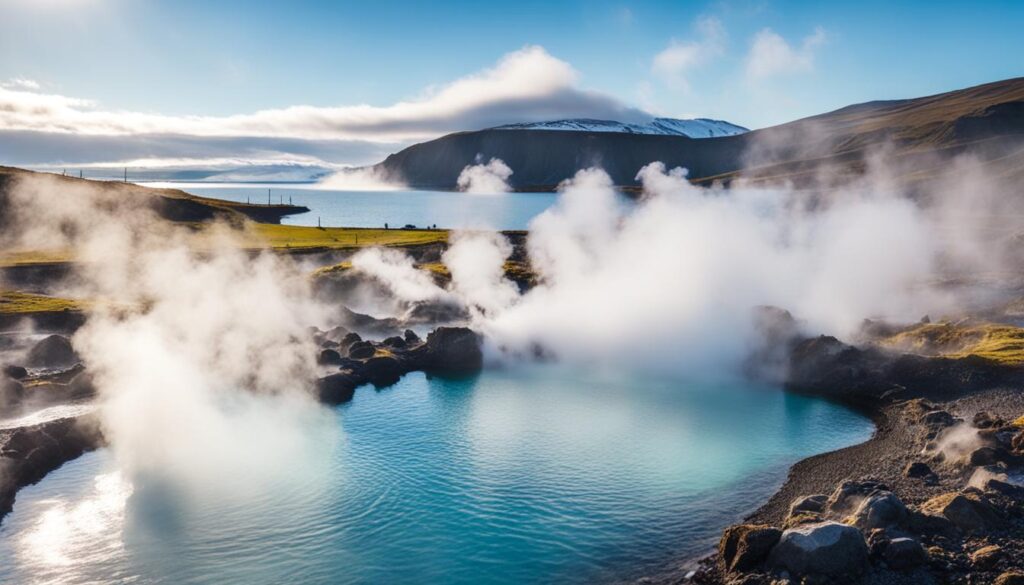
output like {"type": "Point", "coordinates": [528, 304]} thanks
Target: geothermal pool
{"type": "Point", "coordinates": [541, 474]}
{"type": "Point", "coordinates": [506, 211]}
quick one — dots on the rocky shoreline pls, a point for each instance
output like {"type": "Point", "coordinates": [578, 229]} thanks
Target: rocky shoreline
{"type": "Point", "coordinates": [935, 495]}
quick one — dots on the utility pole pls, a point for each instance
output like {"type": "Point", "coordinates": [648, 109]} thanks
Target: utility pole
{"type": "Point", "coordinates": [79, 173]}
{"type": "Point", "coordinates": [268, 196]}
{"type": "Point", "coordinates": [126, 174]}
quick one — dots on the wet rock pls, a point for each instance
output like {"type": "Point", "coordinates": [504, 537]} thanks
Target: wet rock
{"type": "Point", "coordinates": [745, 546]}
{"type": "Point", "coordinates": [361, 350]}
{"type": "Point", "coordinates": [904, 553]}
{"type": "Point", "coordinates": [394, 342]}
{"type": "Point", "coordinates": [411, 337]}
{"type": "Point", "coordinates": [982, 475]}
{"type": "Point", "coordinates": [15, 372]}
{"type": "Point", "coordinates": [986, 557]}
{"type": "Point", "coordinates": [53, 352]}
{"type": "Point", "coordinates": [27, 454]}
{"type": "Point", "coordinates": [827, 549]}
{"type": "Point", "coordinates": [382, 370]}
{"type": "Point", "coordinates": [1010, 578]}
{"type": "Point", "coordinates": [329, 357]}
{"type": "Point", "coordinates": [1018, 441]}
{"type": "Point", "coordinates": [967, 511]}
{"type": "Point", "coordinates": [337, 388]}
{"type": "Point", "coordinates": [878, 510]}
{"type": "Point", "coordinates": [449, 349]}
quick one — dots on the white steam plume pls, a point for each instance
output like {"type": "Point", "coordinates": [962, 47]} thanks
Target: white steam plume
{"type": "Point", "coordinates": [361, 179]}
{"type": "Point", "coordinates": [485, 178]}
{"type": "Point", "coordinates": [200, 353]}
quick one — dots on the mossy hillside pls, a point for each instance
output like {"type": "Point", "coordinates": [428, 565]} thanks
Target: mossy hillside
{"type": "Point", "coordinates": [17, 302]}
{"type": "Point", "coordinates": [1000, 343]}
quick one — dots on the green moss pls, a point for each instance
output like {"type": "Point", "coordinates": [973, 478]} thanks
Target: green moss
{"type": "Point", "coordinates": [1003, 344]}
{"type": "Point", "coordinates": [291, 237]}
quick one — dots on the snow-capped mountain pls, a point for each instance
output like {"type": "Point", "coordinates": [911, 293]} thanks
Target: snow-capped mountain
{"type": "Point", "coordinates": [695, 128]}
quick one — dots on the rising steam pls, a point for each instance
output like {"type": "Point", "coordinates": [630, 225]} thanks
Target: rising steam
{"type": "Point", "coordinates": [485, 178]}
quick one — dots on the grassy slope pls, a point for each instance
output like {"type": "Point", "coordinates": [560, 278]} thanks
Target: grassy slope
{"type": "Point", "coordinates": [286, 237]}
{"type": "Point", "coordinates": [1000, 343]}
{"type": "Point", "coordinates": [15, 302]}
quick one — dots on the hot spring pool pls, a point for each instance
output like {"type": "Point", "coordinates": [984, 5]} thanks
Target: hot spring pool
{"type": "Point", "coordinates": [528, 476]}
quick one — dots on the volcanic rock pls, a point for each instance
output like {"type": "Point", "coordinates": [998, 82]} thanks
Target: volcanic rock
{"type": "Point", "coordinates": [745, 546]}
{"type": "Point", "coordinates": [827, 549]}
{"type": "Point", "coordinates": [53, 352]}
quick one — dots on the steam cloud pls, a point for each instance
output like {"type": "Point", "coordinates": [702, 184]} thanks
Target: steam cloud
{"type": "Point", "coordinates": [489, 178]}
{"type": "Point", "coordinates": [199, 352]}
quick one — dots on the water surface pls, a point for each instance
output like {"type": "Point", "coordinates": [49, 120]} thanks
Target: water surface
{"type": "Point", "coordinates": [538, 475]}
{"type": "Point", "coordinates": [508, 211]}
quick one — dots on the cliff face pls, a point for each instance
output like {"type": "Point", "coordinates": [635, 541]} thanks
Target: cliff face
{"type": "Point", "coordinates": [987, 121]}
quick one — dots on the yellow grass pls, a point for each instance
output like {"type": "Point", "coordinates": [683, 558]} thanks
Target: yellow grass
{"type": "Point", "coordinates": [16, 302]}
{"type": "Point", "coordinates": [34, 257]}
{"type": "Point", "coordinates": [289, 237]}
{"type": "Point", "coordinates": [1002, 344]}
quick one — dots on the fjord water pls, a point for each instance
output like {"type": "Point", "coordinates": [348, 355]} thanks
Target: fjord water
{"type": "Point", "coordinates": [533, 475]}
{"type": "Point", "coordinates": [505, 211]}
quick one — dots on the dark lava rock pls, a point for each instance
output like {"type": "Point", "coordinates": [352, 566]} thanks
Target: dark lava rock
{"type": "Point", "coordinates": [329, 357]}
{"type": "Point", "coordinates": [450, 349]}
{"type": "Point", "coordinates": [938, 419]}
{"type": "Point", "coordinates": [985, 420]}
{"type": "Point", "coordinates": [395, 342]}
{"type": "Point", "coordinates": [917, 469]}
{"type": "Point", "coordinates": [827, 549]}
{"type": "Point", "coordinates": [987, 456]}
{"type": "Point", "coordinates": [903, 553]}
{"type": "Point", "coordinates": [337, 388]}
{"type": "Point", "coordinates": [11, 393]}
{"type": "Point", "coordinates": [361, 350]}
{"type": "Point", "coordinates": [1018, 441]}
{"type": "Point", "coordinates": [53, 352]}
{"type": "Point", "coordinates": [15, 372]}
{"type": "Point", "coordinates": [383, 370]}
{"type": "Point", "coordinates": [1010, 578]}
{"type": "Point", "coordinates": [27, 454]}
{"type": "Point", "coordinates": [348, 341]}
{"type": "Point", "coordinates": [411, 337]}
{"type": "Point", "coordinates": [745, 546]}
{"type": "Point", "coordinates": [967, 511]}
{"type": "Point", "coordinates": [879, 510]}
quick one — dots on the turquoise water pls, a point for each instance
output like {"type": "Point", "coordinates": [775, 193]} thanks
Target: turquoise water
{"type": "Point", "coordinates": [508, 211]}
{"type": "Point", "coordinates": [537, 475]}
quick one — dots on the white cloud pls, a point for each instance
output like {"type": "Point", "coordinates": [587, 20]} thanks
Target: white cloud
{"type": "Point", "coordinates": [675, 62]}
{"type": "Point", "coordinates": [525, 85]}
{"type": "Point", "coordinates": [772, 55]}
{"type": "Point", "coordinates": [21, 83]}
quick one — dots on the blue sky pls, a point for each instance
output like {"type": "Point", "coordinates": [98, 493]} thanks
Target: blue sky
{"type": "Point", "coordinates": [755, 63]}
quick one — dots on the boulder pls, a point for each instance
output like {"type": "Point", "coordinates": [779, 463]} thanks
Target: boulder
{"type": "Point", "coordinates": [745, 546]}
{"type": "Point", "coordinates": [986, 557]}
{"type": "Point", "coordinates": [903, 553]}
{"type": "Point", "coordinates": [337, 388]}
{"type": "Point", "coordinates": [985, 420]}
{"type": "Point", "coordinates": [1010, 578]}
{"type": "Point", "coordinates": [986, 456]}
{"type": "Point", "coordinates": [15, 372]}
{"type": "Point", "coordinates": [967, 511]}
{"type": "Point", "coordinates": [1018, 441]}
{"type": "Point", "coordinates": [808, 504]}
{"type": "Point", "coordinates": [879, 510]}
{"type": "Point", "coordinates": [827, 549]}
{"type": "Point", "coordinates": [382, 370]}
{"type": "Point", "coordinates": [917, 469]}
{"type": "Point", "coordinates": [849, 495]}
{"type": "Point", "coordinates": [361, 350]}
{"type": "Point", "coordinates": [54, 351]}
{"type": "Point", "coordinates": [348, 341]}
{"type": "Point", "coordinates": [938, 419]}
{"type": "Point", "coordinates": [329, 357]}
{"type": "Point", "coordinates": [449, 349]}
{"type": "Point", "coordinates": [394, 342]}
